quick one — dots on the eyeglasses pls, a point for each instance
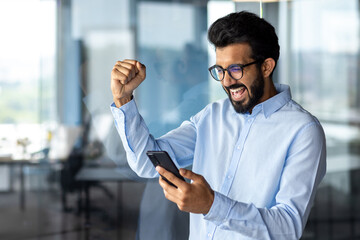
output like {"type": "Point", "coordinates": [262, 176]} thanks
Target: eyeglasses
{"type": "Point", "coordinates": [234, 70]}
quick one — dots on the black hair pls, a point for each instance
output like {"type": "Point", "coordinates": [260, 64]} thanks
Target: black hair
{"type": "Point", "coordinates": [246, 27]}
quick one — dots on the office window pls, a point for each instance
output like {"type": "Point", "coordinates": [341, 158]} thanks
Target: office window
{"type": "Point", "coordinates": [27, 69]}
{"type": "Point", "coordinates": [320, 60]}
{"type": "Point", "coordinates": [27, 61]}
{"type": "Point", "coordinates": [175, 53]}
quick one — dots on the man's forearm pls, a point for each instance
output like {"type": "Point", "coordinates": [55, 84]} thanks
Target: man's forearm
{"type": "Point", "coordinates": [135, 137]}
{"type": "Point", "coordinates": [137, 140]}
{"type": "Point", "coordinates": [258, 223]}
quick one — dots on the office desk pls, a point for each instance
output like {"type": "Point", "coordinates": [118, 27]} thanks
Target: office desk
{"type": "Point", "coordinates": [107, 174]}
{"type": "Point", "coordinates": [87, 175]}
{"type": "Point", "coordinates": [21, 162]}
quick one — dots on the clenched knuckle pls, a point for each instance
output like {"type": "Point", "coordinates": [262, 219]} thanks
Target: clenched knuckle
{"type": "Point", "coordinates": [133, 69]}
{"type": "Point", "coordinates": [127, 72]}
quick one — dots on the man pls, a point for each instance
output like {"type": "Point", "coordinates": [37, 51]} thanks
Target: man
{"type": "Point", "coordinates": [257, 156]}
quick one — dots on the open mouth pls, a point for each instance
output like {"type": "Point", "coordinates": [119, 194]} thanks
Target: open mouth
{"type": "Point", "coordinates": [237, 93]}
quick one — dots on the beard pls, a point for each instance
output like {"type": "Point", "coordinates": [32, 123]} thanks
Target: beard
{"type": "Point", "coordinates": [256, 90]}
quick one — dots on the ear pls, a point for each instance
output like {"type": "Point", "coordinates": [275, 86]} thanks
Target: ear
{"type": "Point", "coordinates": [267, 67]}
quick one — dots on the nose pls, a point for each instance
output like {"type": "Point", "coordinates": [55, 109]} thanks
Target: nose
{"type": "Point", "coordinates": [228, 80]}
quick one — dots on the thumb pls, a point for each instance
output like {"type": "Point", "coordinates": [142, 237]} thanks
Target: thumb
{"type": "Point", "coordinates": [139, 77]}
{"type": "Point", "coordinates": [141, 69]}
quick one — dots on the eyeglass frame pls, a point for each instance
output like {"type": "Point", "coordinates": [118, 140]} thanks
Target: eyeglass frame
{"type": "Point", "coordinates": [242, 66]}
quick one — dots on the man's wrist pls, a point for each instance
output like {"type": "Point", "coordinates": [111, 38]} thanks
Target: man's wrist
{"type": "Point", "coordinates": [122, 101]}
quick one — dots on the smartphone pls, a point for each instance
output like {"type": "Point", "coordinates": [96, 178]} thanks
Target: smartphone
{"type": "Point", "coordinates": [163, 159]}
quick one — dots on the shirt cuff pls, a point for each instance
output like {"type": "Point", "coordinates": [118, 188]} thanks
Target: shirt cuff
{"type": "Point", "coordinates": [129, 108]}
{"type": "Point", "coordinates": [220, 209]}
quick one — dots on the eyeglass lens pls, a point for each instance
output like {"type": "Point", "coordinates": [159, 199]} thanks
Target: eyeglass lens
{"type": "Point", "coordinates": [235, 71]}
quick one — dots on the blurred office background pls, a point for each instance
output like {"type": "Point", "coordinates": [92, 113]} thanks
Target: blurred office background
{"type": "Point", "coordinates": [63, 172]}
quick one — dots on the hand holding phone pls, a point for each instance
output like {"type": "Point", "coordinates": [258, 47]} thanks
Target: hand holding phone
{"type": "Point", "coordinates": [162, 159]}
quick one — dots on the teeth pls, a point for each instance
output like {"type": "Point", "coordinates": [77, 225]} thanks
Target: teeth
{"type": "Point", "coordinates": [236, 90]}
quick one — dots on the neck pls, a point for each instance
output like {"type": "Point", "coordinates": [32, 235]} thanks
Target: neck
{"type": "Point", "coordinates": [269, 90]}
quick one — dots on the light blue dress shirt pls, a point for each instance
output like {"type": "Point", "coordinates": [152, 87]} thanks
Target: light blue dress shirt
{"type": "Point", "coordinates": [264, 167]}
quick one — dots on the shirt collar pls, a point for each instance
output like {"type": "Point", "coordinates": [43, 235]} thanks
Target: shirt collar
{"type": "Point", "coordinates": [276, 102]}
{"type": "Point", "coordinates": [272, 104]}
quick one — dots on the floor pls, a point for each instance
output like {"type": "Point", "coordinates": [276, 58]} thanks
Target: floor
{"type": "Point", "coordinates": [50, 222]}
{"type": "Point", "coordinates": [335, 215]}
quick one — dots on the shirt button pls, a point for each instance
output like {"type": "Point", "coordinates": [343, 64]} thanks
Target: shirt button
{"type": "Point", "coordinates": [209, 234]}
{"type": "Point", "coordinates": [239, 147]}
{"type": "Point", "coordinates": [228, 176]}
